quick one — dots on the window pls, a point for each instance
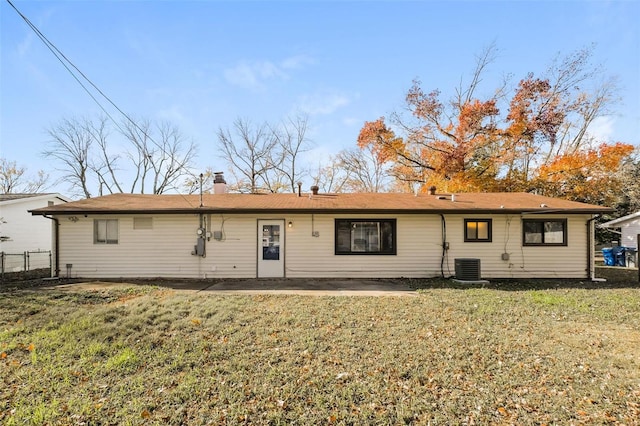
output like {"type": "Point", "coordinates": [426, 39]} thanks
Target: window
{"type": "Point", "coordinates": [477, 230]}
{"type": "Point", "coordinates": [365, 236]}
{"type": "Point", "coordinates": [142, 223]}
{"type": "Point", "coordinates": [105, 231]}
{"type": "Point", "coordinates": [548, 232]}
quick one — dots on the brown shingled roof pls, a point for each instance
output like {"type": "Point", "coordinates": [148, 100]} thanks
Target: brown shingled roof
{"type": "Point", "coordinates": [321, 203]}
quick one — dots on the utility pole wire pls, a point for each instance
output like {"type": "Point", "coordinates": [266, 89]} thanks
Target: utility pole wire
{"type": "Point", "coordinates": [60, 56]}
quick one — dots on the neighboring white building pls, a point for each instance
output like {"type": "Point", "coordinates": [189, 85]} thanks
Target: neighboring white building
{"type": "Point", "coordinates": [21, 230]}
{"type": "Point", "coordinates": [629, 227]}
{"type": "Point", "coordinates": [513, 235]}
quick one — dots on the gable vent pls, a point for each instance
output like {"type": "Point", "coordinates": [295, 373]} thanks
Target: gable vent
{"type": "Point", "coordinates": [467, 269]}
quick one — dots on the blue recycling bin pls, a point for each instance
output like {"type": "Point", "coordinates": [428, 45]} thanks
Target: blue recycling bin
{"type": "Point", "coordinates": [609, 259]}
{"type": "Point", "coordinates": [619, 256]}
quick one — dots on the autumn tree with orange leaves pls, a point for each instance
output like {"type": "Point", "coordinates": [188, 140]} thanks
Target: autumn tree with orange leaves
{"type": "Point", "coordinates": [587, 175]}
{"type": "Point", "coordinates": [535, 139]}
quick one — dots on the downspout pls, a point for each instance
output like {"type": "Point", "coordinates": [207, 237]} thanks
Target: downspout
{"type": "Point", "coordinates": [203, 225]}
{"type": "Point", "coordinates": [444, 244]}
{"type": "Point", "coordinates": [590, 275]}
{"type": "Point", "coordinates": [56, 243]}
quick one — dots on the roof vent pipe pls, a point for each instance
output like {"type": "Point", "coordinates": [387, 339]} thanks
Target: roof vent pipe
{"type": "Point", "coordinates": [432, 190]}
{"type": "Point", "coordinates": [201, 176]}
{"type": "Point", "coordinates": [219, 184]}
{"type": "Point", "coordinates": [453, 197]}
{"type": "Point", "coordinates": [315, 189]}
{"type": "Point", "coordinates": [299, 189]}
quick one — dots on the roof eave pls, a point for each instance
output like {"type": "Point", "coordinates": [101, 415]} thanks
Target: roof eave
{"type": "Point", "coordinates": [615, 223]}
{"type": "Point", "coordinates": [213, 210]}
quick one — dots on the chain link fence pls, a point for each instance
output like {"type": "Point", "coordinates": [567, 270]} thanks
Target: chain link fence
{"type": "Point", "coordinates": [20, 264]}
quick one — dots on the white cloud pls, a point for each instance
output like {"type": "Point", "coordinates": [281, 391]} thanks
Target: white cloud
{"type": "Point", "coordinates": [296, 62]}
{"type": "Point", "coordinates": [255, 75]}
{"type": "Point", "coordinates": [352, 121]}
{"type": "Point", "coordinates": [320, 103]}
{"type": "Point", "coordinates": [601, 129]}
{"type": "Point", "coordinates": [25, 45]}
{"type": "Point", "coordinates": [173, 113]}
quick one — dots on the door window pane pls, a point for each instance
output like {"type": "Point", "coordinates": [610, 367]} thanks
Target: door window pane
{"type": "Point", "coordinates": [271, 242]}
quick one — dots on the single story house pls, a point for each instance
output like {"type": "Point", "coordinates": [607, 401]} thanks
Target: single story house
{"type": "Point", "coordinates": [357, 235]}
{"type": "Point", "coordinates": [22, 231]}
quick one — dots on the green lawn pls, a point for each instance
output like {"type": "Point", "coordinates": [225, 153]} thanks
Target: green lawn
{"type": "Point", "coordinates": [145, 355]}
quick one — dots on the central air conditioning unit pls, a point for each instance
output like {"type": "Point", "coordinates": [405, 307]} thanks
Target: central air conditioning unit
{"type": "Point", "coordinates": [468, 269]}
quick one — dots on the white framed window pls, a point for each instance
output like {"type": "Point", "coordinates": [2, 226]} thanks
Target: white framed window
{"type": "Point", "coordinates": [105, 231]}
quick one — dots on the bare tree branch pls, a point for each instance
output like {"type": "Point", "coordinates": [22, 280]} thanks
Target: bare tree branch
{"type": "Point", "coordinates": [14, 180]}
{"type": "Point", "coordinates": [292, 141]}
{"type": "Point", "coordinates": [86, 154]}
{"type": "Point", "coordinates": [70, 145]}
{"type": "Point", "coordinates": [250, 152]}
{"type": "Point", "coordinates": [366, 173]}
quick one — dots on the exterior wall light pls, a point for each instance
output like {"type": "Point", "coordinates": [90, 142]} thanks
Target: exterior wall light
{"type": "Point", "coordinates": [290, 224]}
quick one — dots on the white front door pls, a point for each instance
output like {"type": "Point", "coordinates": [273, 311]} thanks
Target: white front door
{"type": "Point", "coordinates": [270, 248]}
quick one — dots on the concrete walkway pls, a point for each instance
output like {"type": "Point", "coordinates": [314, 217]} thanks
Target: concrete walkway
{"type": "Point", "coordinates": [301, 286]}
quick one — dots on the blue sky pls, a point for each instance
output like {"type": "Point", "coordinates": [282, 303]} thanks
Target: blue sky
{"type": "Point", "coordinates": [202, 64]}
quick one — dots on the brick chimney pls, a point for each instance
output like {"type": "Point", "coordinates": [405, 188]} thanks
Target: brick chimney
{"type": "Point", "coordinates": [219, 184]}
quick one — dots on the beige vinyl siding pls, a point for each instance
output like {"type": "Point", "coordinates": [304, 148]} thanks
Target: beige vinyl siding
{"type": "Point", "coordinates": [165, 250]}
{"type": "Point", "coordinates": [524, 261]}
{"type": "Point", "coordinates": [235, 255]}
{"type": "Point", "coordinates": [418, 247]}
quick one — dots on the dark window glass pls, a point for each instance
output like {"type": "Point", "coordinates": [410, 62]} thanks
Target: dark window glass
{"type": "Point", "coordinates": [544, 232]}
{"type": "Point", "coordinates": [365, 236]}
{"type": "Point", "coordinates": [271, 242]}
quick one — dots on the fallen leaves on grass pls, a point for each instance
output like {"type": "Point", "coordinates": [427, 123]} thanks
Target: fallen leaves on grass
{"type": "Point", "coordinates": [282, 360]}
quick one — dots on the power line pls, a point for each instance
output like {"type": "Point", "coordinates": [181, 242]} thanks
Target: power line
{"type": "Point", "coordinates": [67, 63]}
{"type": "Point", "coordinates": [60, 56]}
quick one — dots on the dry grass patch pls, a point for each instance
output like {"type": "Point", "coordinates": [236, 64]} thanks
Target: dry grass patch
{"type": "Point", "coordinates": [446, 357]}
